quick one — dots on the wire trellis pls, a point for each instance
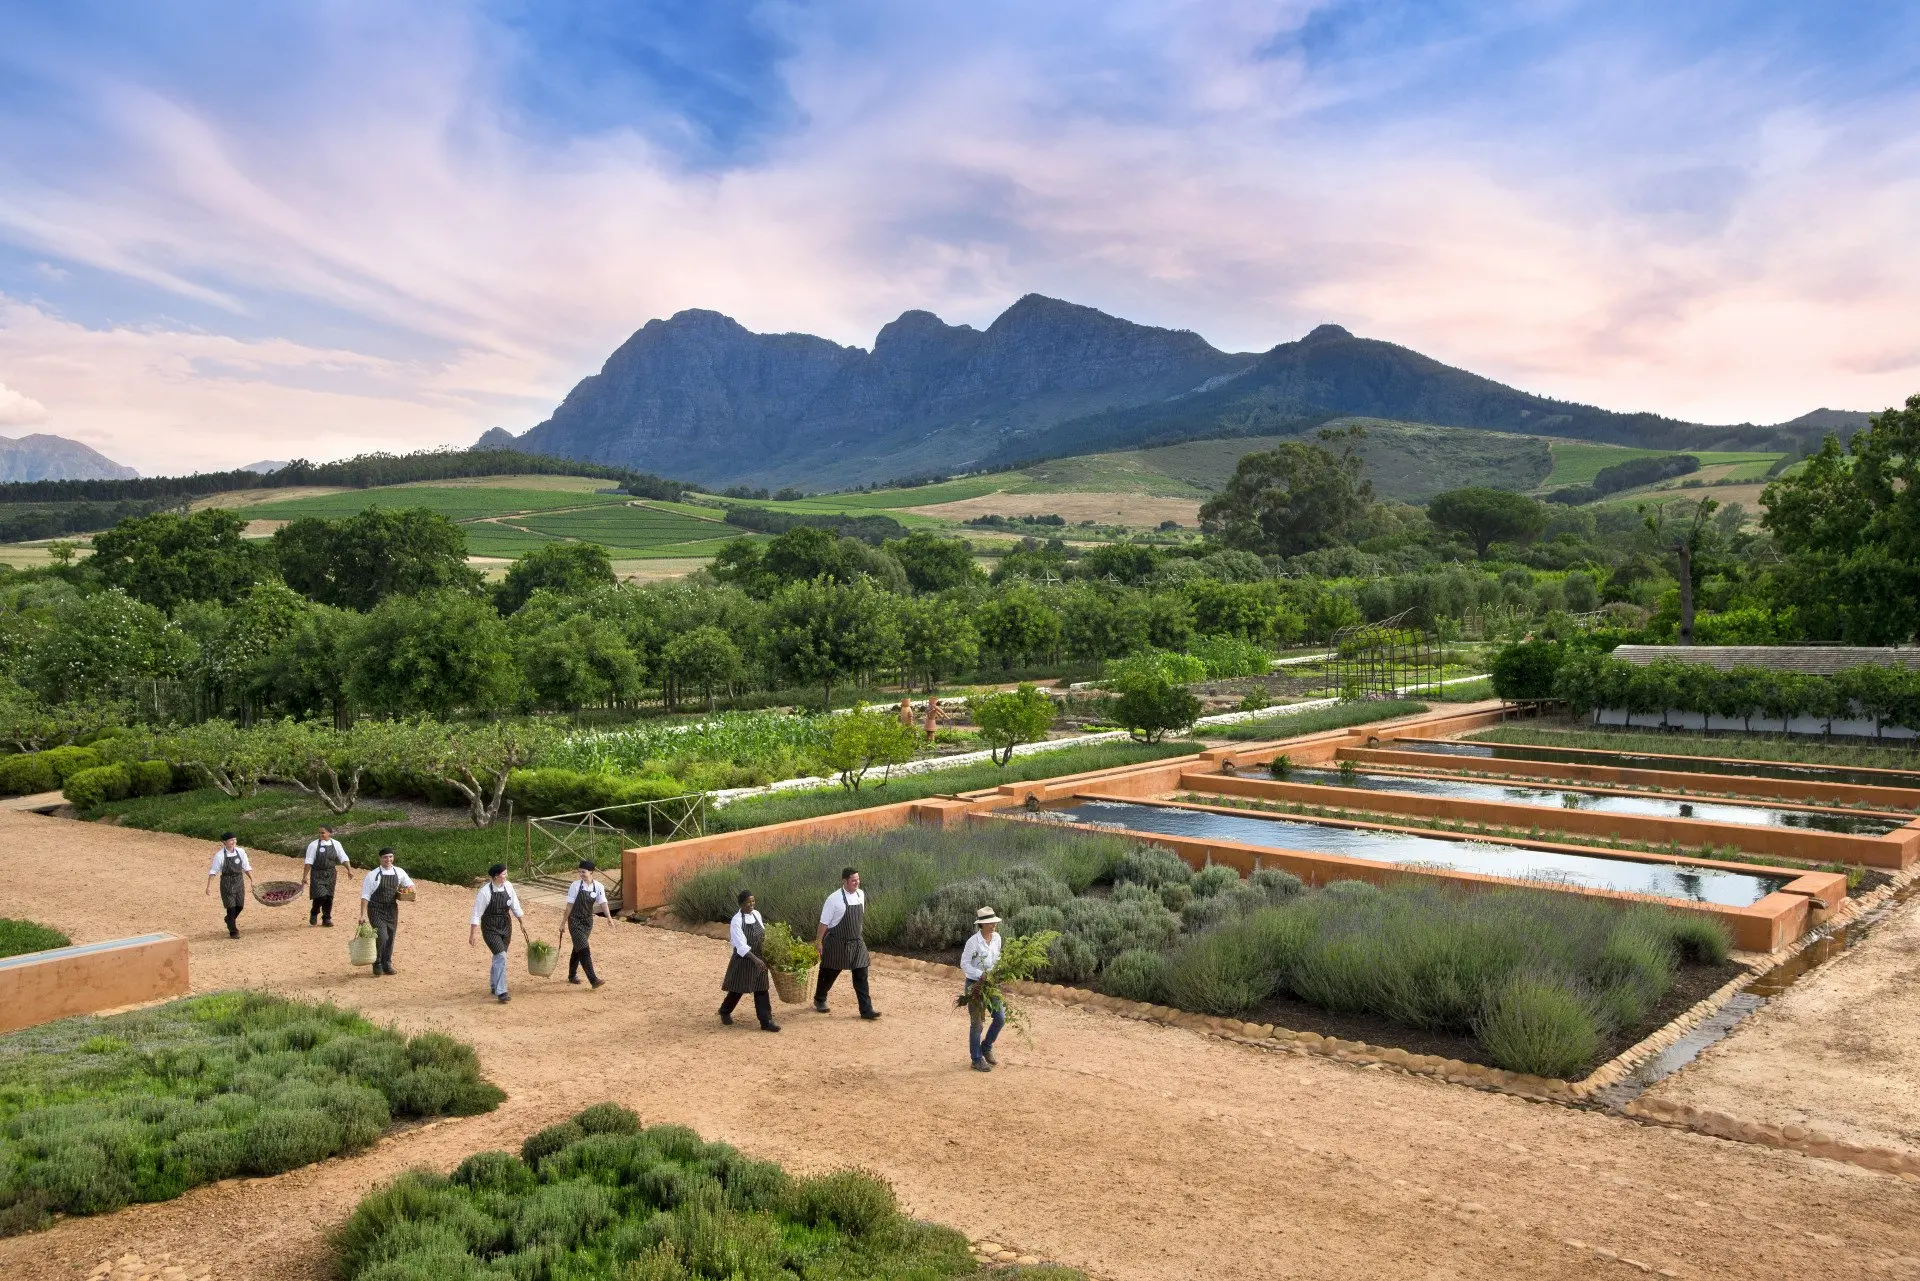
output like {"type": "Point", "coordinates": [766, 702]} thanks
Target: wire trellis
{"type": "Point", "coordinates": [1388, 659]}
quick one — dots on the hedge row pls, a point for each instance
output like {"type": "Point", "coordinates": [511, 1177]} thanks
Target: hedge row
{"type": "Point", "coordinates": [1584, 681]}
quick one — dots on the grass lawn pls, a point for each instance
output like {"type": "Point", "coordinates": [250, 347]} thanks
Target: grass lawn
{"type": "Point", "coordinates": [1316, 721]}
{"type": "Point", "coordinates": [98, 1113]}
{"type": "Point", "coordinates": [783, 806]}
{"type": "Point", "coordinates": [1756, 747]}
{"type": "Point", "coordinates": [20, 937]}
{"type": "Point", "coordinates": [1468, 692]}
{"type": "Point", "coordinates": [445, 847]}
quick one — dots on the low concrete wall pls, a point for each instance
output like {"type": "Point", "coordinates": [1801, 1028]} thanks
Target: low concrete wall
{"type": "Point", "coordinates": [40, 987]}
{"type": "Point", "coordinates": [1892, 851]}
{"type": "Point", "coordinates": [1808, 791]}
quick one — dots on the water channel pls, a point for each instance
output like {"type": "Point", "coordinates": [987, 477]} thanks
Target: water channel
{"type": "Point", "coordinates": [1667, 880]}
{"type": "Point", "coordinates": [1677, 764]}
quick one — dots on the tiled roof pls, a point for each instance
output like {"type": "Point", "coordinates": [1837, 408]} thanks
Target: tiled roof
{"type": "Point", "coordinates": [1820, 660]}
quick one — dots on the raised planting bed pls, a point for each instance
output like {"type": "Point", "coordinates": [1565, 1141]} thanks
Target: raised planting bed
{"type": "Point", "coordinates": [1795, 749]}
{"type": "Point", "coordinates": [99, 1112]}
{"type": "Point", "coordinates": [1528, 980]}
{"type": "Point", "coordinates": [599, 1195]}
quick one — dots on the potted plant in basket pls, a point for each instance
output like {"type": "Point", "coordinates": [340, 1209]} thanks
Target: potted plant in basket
{"type": "Point", "coordinates": [542, 956]}
{"type": "Point", "coordinates": [363, 947]}
{"type": "Point", "coordinates": [789, 960]}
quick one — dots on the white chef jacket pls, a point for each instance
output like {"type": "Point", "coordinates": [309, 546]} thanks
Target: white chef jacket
{"type": "Point", "coordinates": [220, 860]}
{"type": "Point", "coordinates": [980, 955]}
{"type": "Point", "coordinates": [737, 932]}
{"type": "Point", "coordinates": [592, 889]}
{"type": "Point", "coordinates": [485, 896]}
{"type": "Point", "coordinates": [313, 851]}
{"type": "Point", "coordinates": [372, 882]}
{"type": "Point", "coordinates": [835, 908]}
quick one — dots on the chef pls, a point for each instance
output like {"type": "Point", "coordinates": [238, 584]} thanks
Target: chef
{"type": "Point", "coordinates": [325, 858]}
{"type": "Point", "coordinates": [236, 878]}
{"type": "Point", "coordinates": [380, 905]}
{"type": "Point", "coordinates": [747, 968]}
{"type": "Point", "coordinates": [494, 910]}
{"type": "Point", "coordinates": [841, 944]}
{"type": "Point", "coordinates": [586, 899]}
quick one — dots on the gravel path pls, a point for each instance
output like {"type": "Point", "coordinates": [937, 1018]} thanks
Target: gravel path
{"type": "Point", "coordinates": [1126, 1148]}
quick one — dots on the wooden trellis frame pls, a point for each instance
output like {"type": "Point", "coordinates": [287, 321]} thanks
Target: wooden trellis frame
{"type": "Point", "coordinates": [568, 838]}
{"type": "Point", "coordinates": [1388, 659]}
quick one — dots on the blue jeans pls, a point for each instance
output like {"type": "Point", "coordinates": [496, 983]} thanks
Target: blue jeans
{"type": "Point", "coordinates": [498, 978]}
{"type": "Point", "coordinates": [978, 1045]}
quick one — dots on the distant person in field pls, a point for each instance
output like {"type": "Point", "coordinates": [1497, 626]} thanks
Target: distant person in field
{"type": "Point", "coordinates": [977, 960]}
{"type": "Point", "coordinates": [380, 906]}
{"type": "Point", "coordinates": [325, 858]}
{"type": "Point", "coordinates": [747, 967]}
{"type": "Point", "coordinates": [231, 865]}
{"type": "Point", "coordinates": [842, 944]}
{"type": "Point", "coordinates": [494, 909]}
{"type": "Point", "coordinates": [586, 899]}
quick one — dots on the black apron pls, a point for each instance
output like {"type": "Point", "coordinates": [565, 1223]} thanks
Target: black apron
{"type": "Point", "coordinates": [580, 918]}
{"type": "Point", "coordinates": [383, 906]}
{"type": "Point", "coordinates": [844, 948]}
{"type": "Point", "coordinates": [326, 866]}
{"type": "Point", "coordinates": [496, 923]}
{"type": "Point", "coordinates": [742, 974]}
{"type": "Point", "coordinates": [233, 885]}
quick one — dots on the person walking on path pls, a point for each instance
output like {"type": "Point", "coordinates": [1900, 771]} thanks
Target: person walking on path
{"type": "Point", "coordinates": [977, 960]}
{"type": "Point", "coordinates": [380, 905]}
{"type": "Point", "coordinates": [325, 858]}
{"type": "Point", "coordinates": [494, 910]}
{"type": "Point", "coordinates": [231, 865]}
{"type": "Point", "coordinates": [586, 898]}
{"type": "Point", "coordinates": [842, 947]}
{"type": "Point", "coordinates": [747, 968]}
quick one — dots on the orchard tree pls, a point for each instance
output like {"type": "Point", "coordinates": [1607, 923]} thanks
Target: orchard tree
{"type": "Point", "coordinates": [1291, 499]}
{"type": "Point", "coordinates": [1487, 516]}
{"type": "Point", "coordinates": [360, 560]}
{"type": "Point", "coordinates": [863, 738]}
{"type": "Point", "coordinates": [167, 559]}
{"type": "Point", "coordinates": [438, 653]}
{"type": "Point", "coordinates": [1017, 624]}
{"type": "Point", "coordinates": [1010, 718]}
{"type": "Point", "coordinates": [937, 638]}
{"type": "Point", "coordinates": [1150, 709]}
{"type": "Point", "coordinates": [306, 671]}
{"type": "Point", "coordinates": [226, 756]}
{"type": "Point", "coordinates": [474, 760]}
{"type": "Point", "coordinates": [103, 646]}
{"type": "Point", "coordinates": [579, 661]}
{"type": "Point", "coordinates": [825, 632]}
{"type": "Point", "coordinates": [933, 563]}
{"type": "Point", "coordinates": [565, 569]}
{"type": "Point", "coordinates": [705, 659]}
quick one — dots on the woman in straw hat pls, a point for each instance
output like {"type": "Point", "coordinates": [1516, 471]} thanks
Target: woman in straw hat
{"type": "Point", "coordinates": [977, 960]}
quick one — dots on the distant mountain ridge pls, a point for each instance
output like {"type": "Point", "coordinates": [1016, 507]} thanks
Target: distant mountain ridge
{"type": "Point", "coordinates": [701, 397]}
{"type": "Point", "coordinates": [43, 457]}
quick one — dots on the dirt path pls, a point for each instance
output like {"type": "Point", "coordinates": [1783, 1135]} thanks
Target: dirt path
{"type": "Point", "coordinates": [1839, 1051]}
{"type": "Point", "coordinates": [1133, 1150]}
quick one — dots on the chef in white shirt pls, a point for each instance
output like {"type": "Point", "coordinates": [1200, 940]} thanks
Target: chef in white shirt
{"type": "Point", "coordinates": [746, 967]}
{"type": "Point", "coordinates": [977, 960]}
{"type": "Point", "coordinates": [325, 858]}
{"type": "Point", "coordinates": [231, 865]}
{"type": "Point", "coordinates": [494, 910]}
{"type": "Point", "coordinates": [842, 943]}
{"type": "Point", "coordinates": [380, 905]}
{"type": "Point", "coordinates": [586, 899]}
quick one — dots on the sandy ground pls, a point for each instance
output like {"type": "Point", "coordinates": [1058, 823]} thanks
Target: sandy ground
{"type": "Point", "coordinates": [1838, 1051]}
{"type": "Point", "coordinates": [1108, 509]}
{"type": "Point", "coordinates": [1129, 1149]}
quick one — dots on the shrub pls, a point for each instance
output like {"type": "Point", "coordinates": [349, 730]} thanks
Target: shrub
{"type": "Point", "coordinates": [1225, 972]}
{"type": "Point", "coordinates": [562, 1215]}
{"type": "Point", "coordinates": [1117, 924]}
{"type": "Point", "coordinates": [28, 773]}
{"type": "Point", "coordinates": [946, 919]}
{"type": "Point", "coordinates": [1070, 959]}
{"type": "Point", "coordinates": [608, 1118]}
{"type": "Point", "coordinates": [88, 788]}
{"type": "Point", "coordinates": [285, 1140]}
{"type": "Point", "coordinates": [1525, 671]}
{"type": "Point", "coordinates": [1536, 1025]}
{"type": "Point", "coordinates": [1137, 974]}
{"type": "Point", "coordinates": [855, 1201]}
{"type": "Point", "coordinates": [542, 1144]}
{"type": "Point", "coordinates": [1275, 884]}
{"type": "Point", "coordinates": [1032, 920]}
{"type": "Point", "coordinates": [1152, 865]}
{"type": "Point", "coordinates": [1212, 879]}
{"type": "Point", "coordinates": [150, 778]}
{"type": "Point", "coordinates": [68, 761]}
{"type": "Point", "coordinates": [494, 1172]}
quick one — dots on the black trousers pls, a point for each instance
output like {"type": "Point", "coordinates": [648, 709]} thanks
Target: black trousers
{"type": "Point", "coordinates": [384, 928]}
{"type": "Point", "coordinates": [233, 915]}
{"type": "Point", "coordinates": [762, 1006]}
{"type": "Point", "coordinates": [321, 909]}
{"type": "Point", "coordinates": [581, 958]}
{"type": "Point", "coordinates": [825, 983]}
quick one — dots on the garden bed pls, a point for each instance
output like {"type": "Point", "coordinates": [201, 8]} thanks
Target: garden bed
{"type": "Point", "coordinates": [599, 1195]}
{"type": "Point", "coordinates": [97, 1113]}
{"type": "Point", "coordinates": [1797, 749]}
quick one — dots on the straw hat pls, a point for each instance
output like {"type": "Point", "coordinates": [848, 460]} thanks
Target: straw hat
{"type": "Point", "coordinates": [985, 916]}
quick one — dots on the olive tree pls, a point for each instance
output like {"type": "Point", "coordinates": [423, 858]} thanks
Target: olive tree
{"type": "Point", "coordinates": [863, 738]}
{"type": "Point", "coordinates": [1008, 719]}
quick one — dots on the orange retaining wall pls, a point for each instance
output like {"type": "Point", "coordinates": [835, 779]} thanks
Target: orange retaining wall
{"type": "Point", "coordinates": [1784, 789]}
{"type": "Point", "coordinates": [39, 987]}
{"type": "Point", "coordinates": [1894, 850]}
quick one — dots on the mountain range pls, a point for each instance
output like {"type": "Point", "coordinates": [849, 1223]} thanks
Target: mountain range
{"type": "Point", "coordinates": [43, 457]}
{"type": "Point", "coordinates": [700, 397]}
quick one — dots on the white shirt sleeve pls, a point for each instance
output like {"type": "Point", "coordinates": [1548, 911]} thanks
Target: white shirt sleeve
{"type": "Point", "coordinates": [373, 879]}
{"type": "Point", "coordinates": [313, 848]}
{"type": "Point", "coordinates": [513, 902]}
{"type": "Point", "coordinates": [573, 891]}
{"type": "Point", "coordinates": [406, 882]}
{"type": "Point", "coordinates": [737, 933]}
{"type": "Point", "coordinates": [480, 901]}
{"type": "Point", "coordinates": [972, 956]}
{"type": "Point", "coordinates": [834, 910]}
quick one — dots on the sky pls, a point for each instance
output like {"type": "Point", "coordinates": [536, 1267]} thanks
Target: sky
{"type": "Point", "coordinates": [234, 231]}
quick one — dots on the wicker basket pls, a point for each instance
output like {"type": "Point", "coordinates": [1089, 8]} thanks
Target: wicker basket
{"type": "Point", "coordinates": [275, 893]}
{"type": "Point", "coordinates": [542, 966]}
{"type": "Point", "coordinates": [362, 951]}
{"type": "Point", "coordinates": [791, 984]}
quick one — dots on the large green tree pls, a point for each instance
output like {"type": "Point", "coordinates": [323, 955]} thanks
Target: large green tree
{"type": "Point", "coordinates": [565, 569]}
{"type": "Point", "coordinates": [825, 632]}
{"type": "Point", "coordinates": [933, 563]}
{"type": "Point", "coordinates": [937, 639]}
{"type": "Point", "coordinates": [358, 561]}
{"type": "Point", "coordinates": [439, 653]}
{"type": "Point", "coordinates": [1487, 516]}
{"type": "Point", "coordinates": [1294, 498]}
{"type": "Point", "coordinates": [168, 559]}
{"type": "Point", "coordinates": [578, 661]}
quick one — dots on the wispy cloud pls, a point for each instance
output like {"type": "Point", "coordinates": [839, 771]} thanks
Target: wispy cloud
{"type": "Point", "coordinates": [402, 224]}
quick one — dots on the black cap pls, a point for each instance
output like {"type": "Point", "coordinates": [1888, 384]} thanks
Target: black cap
{"type": "Point", "coordinates": [385, 850]}
{"type": "Point", "coordinates": [226, 836]}
{"type": "Point", "coordinates": [588, 865]}
{"type": "Point", "coordinates": [495, 870]}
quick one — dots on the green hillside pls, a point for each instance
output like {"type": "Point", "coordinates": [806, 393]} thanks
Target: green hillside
{"type": "Point", "coordinates": [460, 502]}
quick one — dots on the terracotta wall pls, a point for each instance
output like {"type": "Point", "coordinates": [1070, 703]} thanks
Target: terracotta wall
{"type": "Point", "coordinates": [1786, 842]}
{"type": "Point", "coordinates": [40, 987]}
